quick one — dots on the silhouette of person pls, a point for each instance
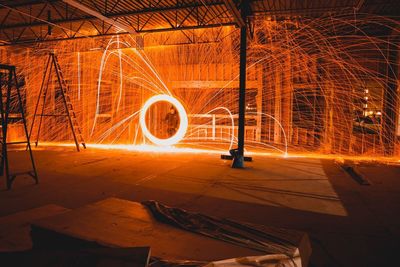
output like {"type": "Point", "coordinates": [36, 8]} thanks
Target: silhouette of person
{"type": "Point", "coordinates": [172, 121]}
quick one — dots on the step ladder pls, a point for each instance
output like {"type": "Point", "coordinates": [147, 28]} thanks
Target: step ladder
{"type": "Point", "coordinates": [52, 62]}
{"type": "Point", "coordinates": [9, 93]}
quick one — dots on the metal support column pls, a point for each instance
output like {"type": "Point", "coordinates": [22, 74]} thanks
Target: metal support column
{"type": "Point", "coordinates": [238, 159]}
{"type": "Point", "coordinates": [390, 99]}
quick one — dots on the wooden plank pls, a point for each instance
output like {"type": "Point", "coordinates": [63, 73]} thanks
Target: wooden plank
{"type": "Point", "coordinates": [15, 229]}
{"type": "Point", "coordinates": [219, 116]}
{"type": "Point", "coordinates": [212, 71]}
{"type": "Point", "coordinates": [119, 223]}
{"type": "Point", "coordinates": [217, 84]}
{"type": "Point", "coordinates": [132, 257]}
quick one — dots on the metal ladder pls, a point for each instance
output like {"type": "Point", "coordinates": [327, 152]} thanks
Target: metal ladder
{"type": "Point", "coordinates": [8, 80]}
{"type": "Point", "coordinates": [52, 62]}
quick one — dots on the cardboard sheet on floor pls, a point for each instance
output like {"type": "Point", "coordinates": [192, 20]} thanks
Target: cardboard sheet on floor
{"type": "Point", "coordinates": [95, 257]}
{"type": "Point", "coordinates": [120, 223]}
{"type": "Point", "coordinates": [15, 228]}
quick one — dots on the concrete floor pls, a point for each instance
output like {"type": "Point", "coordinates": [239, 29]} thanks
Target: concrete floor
{"type": "Point", "coordinates": [349, 224]}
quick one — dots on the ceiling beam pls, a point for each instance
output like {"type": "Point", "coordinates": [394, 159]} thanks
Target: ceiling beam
{"type": "Point", "coordinates": [98, 15]}
{"type": "Point", "coordinates": [28, 4]}
{"type": "Point", "coordinates": [359, 5]}
{"type": "Point", "coordinates": [304, 11]}
{"type": "Point", "coordinates": [235, 12]}
{"type": "Point", "coordinates": [152, 10]}
{"type": "Point", "coordinates": [182, 28]}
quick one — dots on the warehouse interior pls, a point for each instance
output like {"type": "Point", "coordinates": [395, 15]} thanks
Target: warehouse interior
{"type": "Point", "coordinates": [262, 132]}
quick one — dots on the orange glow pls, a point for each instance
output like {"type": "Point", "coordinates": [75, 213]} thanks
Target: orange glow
{"type": "Point", "coordinates": [314, 89]}
{"type": "Point", "coordinates": [183, 125]}
{"type": "Point", "coordinates": [139, 148]}
{"type": "Point", "coordinates": [201, 150]}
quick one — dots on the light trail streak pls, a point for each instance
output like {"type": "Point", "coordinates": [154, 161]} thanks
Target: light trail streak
{"type": "Point", "coordinates": [312, 77]}
{"type": "Point", "coordinates": [183, 120]}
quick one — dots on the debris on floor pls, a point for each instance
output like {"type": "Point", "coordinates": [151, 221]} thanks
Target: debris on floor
{"type": "Point", "coordinates": [175, 237]}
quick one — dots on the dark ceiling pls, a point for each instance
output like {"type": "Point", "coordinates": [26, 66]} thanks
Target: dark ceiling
{"type": "Point", "coordinates": [29, 21]}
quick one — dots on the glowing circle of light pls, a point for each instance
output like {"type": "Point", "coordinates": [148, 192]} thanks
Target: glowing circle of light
{"type": "Point", "coordinates": [183, 120]}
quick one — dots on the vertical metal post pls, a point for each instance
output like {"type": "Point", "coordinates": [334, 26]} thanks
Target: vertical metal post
{"type": "Point", "coordinates": [213, 127]}
{"type": "Point", "coordinates": [3, 128]}
{"type": "Point", "coordinates": [390, 99]}
{"type": "Point", "coordinates": [238, 160]}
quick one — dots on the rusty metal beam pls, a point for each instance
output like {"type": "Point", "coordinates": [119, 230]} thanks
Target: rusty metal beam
{"type": "Point", "coordinates": [144, 11]}
{"type": "Point", "coordinates": [235, 12]}
{"type": "Point", "coordinates": [100, 16]}
{"type": "Point", "coordinates": [182, 28]}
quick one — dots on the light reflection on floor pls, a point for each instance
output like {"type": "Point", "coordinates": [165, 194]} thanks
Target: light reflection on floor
{"type": "Point", "coordinates": [295, 182]}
